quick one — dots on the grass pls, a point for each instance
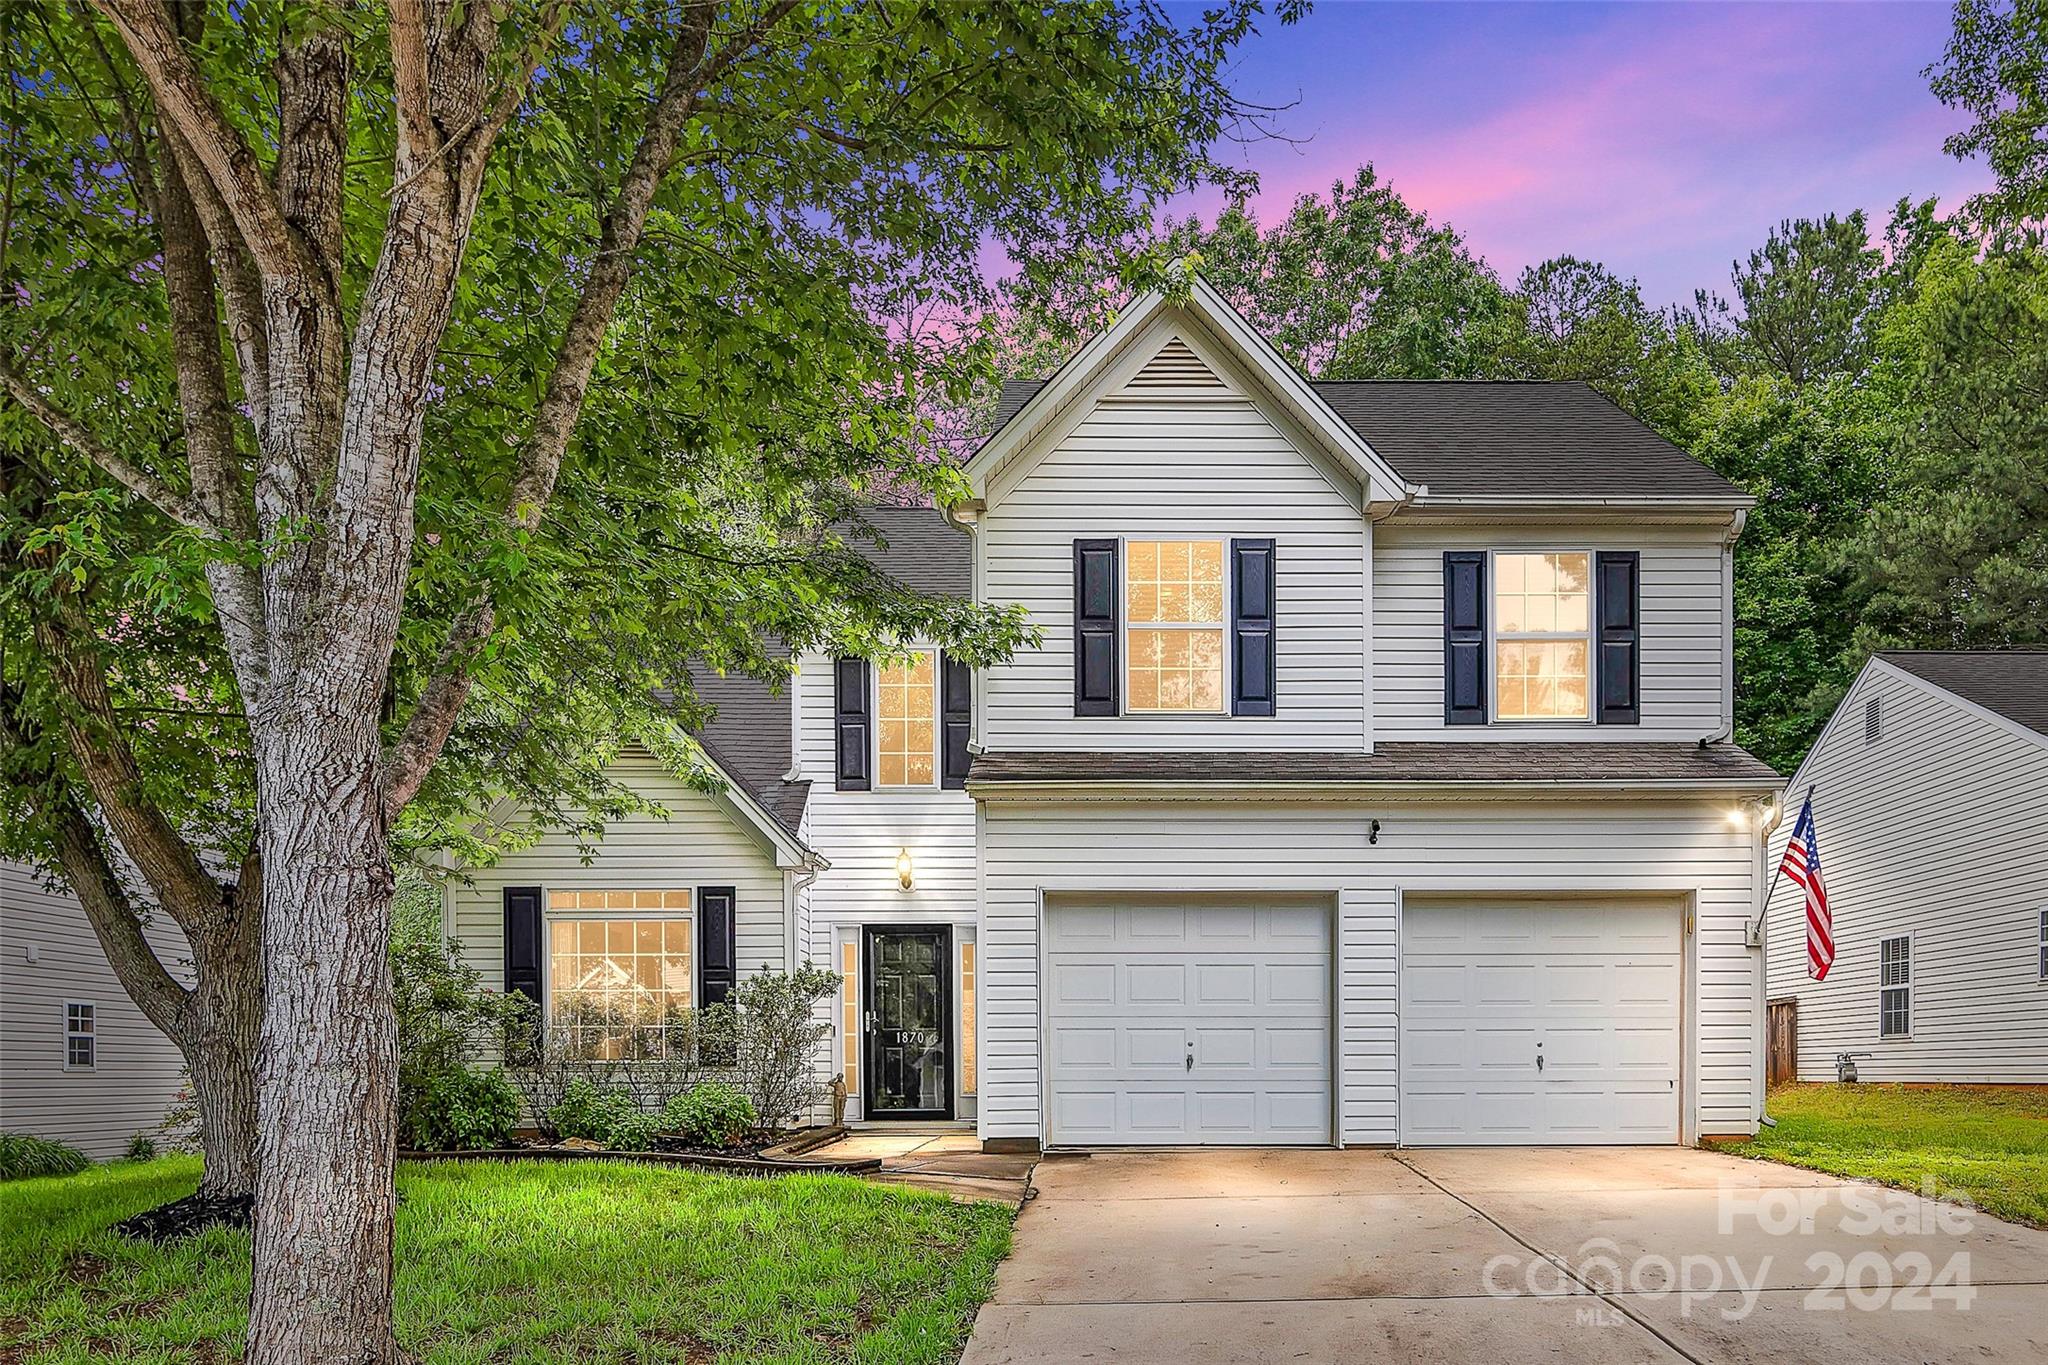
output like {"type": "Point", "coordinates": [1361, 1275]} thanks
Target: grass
{"type": "Point", "coordinates": [530, 1262]}
{"type": "Point", "coordinates": [1987, 1142]}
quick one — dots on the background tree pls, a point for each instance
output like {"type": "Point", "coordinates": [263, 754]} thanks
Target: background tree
{"type": "Point", "coordinates": [1996, 68]}
{"type": "Point", "coordinates": [1804, 302]}
{"type": "Point", "coordinates": [524, 366]}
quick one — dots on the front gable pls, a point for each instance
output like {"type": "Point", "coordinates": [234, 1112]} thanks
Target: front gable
{"type": "Point", "coordinates": [1198, 352]}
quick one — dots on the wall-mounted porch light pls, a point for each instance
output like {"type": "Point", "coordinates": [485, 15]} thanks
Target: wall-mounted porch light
{"type": "Point", "coordinates": [905, 874]}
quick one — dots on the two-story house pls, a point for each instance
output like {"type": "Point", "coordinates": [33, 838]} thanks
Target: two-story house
{"type": "Point", "coordinates": [1372, 783]}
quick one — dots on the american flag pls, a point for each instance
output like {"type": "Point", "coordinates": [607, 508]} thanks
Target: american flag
{"type": "Point", "coordinates": [1802, 865]}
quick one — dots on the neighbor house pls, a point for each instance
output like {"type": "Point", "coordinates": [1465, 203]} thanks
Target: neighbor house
{"type": "Point", "coordinates": [1371, 783]}
{"type": "Point", "coordinates": [1930, 795]}
{"type": "Point", "coordinates": [78, 1061]}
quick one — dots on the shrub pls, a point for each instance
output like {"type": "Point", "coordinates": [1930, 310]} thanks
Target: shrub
{"type": "Point", "coordinates": [712, 1115]}
{"type": "Point", "coordinates": [466, 1109]}
{"type": "Point", "coordinates": [141, 1147]}
{"type": "Point", "coordinates": [599, 1113]}
{"type": "Point", "coordinates": [445, 1021]}
{"type": "Point", "coordinates": [779, 1033]}
{"type": "Point", "coordinates": [23, 1156]}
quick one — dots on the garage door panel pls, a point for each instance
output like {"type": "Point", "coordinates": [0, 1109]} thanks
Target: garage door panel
{"type": "Point", "coordinates": [1241, 990]}
{"type": "Point", "coordinates": [1591, 989]}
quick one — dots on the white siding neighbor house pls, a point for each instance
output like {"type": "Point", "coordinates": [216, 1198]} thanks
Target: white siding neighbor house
{"type": "Point", "coordinates": [1930, 796]}
{"type": "Point", "coordinates": [1370, 784]}
{"type": "Point", "coordinates": [78, 1061]}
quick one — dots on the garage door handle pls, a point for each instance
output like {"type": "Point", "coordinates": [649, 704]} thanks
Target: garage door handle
{"type": "Point", "coordinates": [1539, 1061]}
{"type": "Point", "coordinates": [1191, 1061]}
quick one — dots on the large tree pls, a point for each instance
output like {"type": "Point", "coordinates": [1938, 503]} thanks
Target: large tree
{"type": "Point", "coordinates": [517, 352]}
{"type": "Point", "coordinates": [1996, 68]}
{"type": "Point", "coordinates": [1804, 302]}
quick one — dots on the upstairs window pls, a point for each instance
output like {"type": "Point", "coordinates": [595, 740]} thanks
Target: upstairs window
{"type": "Point", "coordinates": [1174, 624]}
{"type": "Point", "coordinates": [906, 722]}
{"type": "Point", "coordinates": [81, 1038]}
{"type": "Point", "coordinates": [1542, 636]}
{"type": "Point", "coordinates": [2043, 945]}
{"type": "Point", "coordinates": [1895, 987]}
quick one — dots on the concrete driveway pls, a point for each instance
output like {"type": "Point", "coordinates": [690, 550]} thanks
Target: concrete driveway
{"type": "Point", "coordinates": [1500, 1257]}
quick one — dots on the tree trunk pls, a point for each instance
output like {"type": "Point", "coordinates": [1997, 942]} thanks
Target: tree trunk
{"type": "Point", "coordinates": [224, 1017]}
{"type": "Point", "coordinates": [327, 1101]}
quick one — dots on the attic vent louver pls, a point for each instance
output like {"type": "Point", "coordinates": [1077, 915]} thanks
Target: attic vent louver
{"type": "Point", "coordinates": [1873, 721]}
{"type": "Point", "coordinates": [1175, 367]}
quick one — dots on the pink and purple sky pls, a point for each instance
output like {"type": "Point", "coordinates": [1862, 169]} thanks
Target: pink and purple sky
{"type": "Point", "coordinates": [1661, 139]}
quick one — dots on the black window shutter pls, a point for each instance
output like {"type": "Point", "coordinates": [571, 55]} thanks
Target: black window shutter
{"type": "Point", "coordinates": [1617, 591]}
{"type": "Point", "coordinates": [522, 942]}
{"type": "Point", "coordinates": [718, 965]}
{"type": "Point", "coordinates": [1095, 627]}
{"type": "Point", "coordinates": [958, 705]}
{"type": "Point", "coordinates": [851, 729]}
{"type": "Point", "coordinates": [1251, 628]}
{"type": "Point", "coordinates": [1464, 637]}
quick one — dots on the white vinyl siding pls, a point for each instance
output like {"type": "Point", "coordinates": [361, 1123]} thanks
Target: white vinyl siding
{"type": "Point", "coordinates": [136, 1071]}
{"type": "Point", "coordinates": [699, 844]}
{"type": "Point", "coordinates": [1674, 849]}
{"type": "Point", "coordinates": [1938, 831]}
{"type": "Point", "coordinates": [1683, 629]}
{"type": "Point", "coordinates": [1178, 452]}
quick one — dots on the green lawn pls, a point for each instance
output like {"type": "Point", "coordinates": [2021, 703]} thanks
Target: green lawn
{"type": "Point", "coordinates": [534, 1261]}
{"type": "Point", "coordinates": [1988, 1142]}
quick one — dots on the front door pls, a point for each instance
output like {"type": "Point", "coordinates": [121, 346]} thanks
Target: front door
{"type": "Point", "coordinates": [909, 1023]}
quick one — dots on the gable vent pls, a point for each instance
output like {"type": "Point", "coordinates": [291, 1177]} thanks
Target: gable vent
{"type": "Point", "coordinates": [1175, 367]}
{"type": "Point", "coordinates": [1873, 721]}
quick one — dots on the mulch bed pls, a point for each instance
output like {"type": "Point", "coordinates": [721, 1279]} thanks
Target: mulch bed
{"type": "Point", "coordinates": [184, 1217]}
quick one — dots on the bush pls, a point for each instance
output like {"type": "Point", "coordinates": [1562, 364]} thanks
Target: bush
{"type": "Point", "coordinates": [141, 1147]}
{"type": "Point", "coordinates": [712, 1115]}
{"type": "Point", "coordinates": [467, 1109]}
{"type": "Point", "coordinates": [596, 1112]}
{"type": "Point", "coordinates": [24, 1156]}
{"type": "Point", "coordinates": [446, 1020]}
{"type": "Point", "coordinates": [779, 1033]}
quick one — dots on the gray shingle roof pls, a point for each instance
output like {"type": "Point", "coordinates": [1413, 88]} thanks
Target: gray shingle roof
{"type": "Point", "coordinates": [1500, 438]}
{"type": "Point", "coordinates": [924, 550]}
{"type": "Point", "coordinates": [2011, 682]}
{"type": "Point", "coordinates": [1408, 761]}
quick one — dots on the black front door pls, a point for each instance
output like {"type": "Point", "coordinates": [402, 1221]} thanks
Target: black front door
{"type": "Point", "coordinates": [909, 1023]}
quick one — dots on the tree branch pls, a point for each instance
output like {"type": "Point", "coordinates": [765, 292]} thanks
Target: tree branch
{"type": "Point", "coordinates": [185, 103]}
{"type": "Point", "coordinates": [92, 878]}
{"type": "Point", "coordinates": [135, 479]}
{"type": "Point", "coordinates": [433, 715]}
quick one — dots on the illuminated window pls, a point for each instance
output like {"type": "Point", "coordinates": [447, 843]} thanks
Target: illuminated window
{"type": "Point", "coordinates": [619, 971]}
{"type": "Point", "coordinates": [81, 1036]}
{"type": "Point", "coordinates": [1173, 602]}
{"type": "Point", "coordinates": [1542, 636]}
{"type": "Point", "coordinates": [849, 1015]}
{"type": "Point", "coordinates": [967, 1019]}
{"type": "Point", "coordinates": [906, 711]}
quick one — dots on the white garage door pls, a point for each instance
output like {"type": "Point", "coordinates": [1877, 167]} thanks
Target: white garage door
{"type": "Point", "coordinates": [1176, 1020]}
{"type": "Point", "coordinates": [1540, 1022]}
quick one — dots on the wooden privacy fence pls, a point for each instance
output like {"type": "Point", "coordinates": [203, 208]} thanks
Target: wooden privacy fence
{"type": "Point", "coordinates": [1783, 1034]}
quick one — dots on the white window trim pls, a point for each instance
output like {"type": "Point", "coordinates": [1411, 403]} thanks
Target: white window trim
{"type": "Point", "coordinates": [1912, 967]}
{"type": "Point", "coordinates": [64, 1017]}
{"type": "Point", "coordinates": [938, 725]}
{"type": "Point", "coordinates": [1493, 716]}
{"type": "Point", "coordinates": [1125, 626]}
{"type": "Point", "coordinates": [548, 915]}
{"type": "Point", "coordinates": [2041, 945]}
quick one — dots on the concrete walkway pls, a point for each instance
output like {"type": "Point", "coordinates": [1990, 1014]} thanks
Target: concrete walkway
{"type": "Point", "coordinates": [949, 1162]}
{"type": "Point", "coordinates": [1199, 1257]}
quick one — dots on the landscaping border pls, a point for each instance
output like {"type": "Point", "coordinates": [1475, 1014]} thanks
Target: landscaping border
{"type": "Point", "coordinates": [792, 1163]}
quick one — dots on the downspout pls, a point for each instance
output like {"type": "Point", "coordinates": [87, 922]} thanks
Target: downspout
{"type": "Point", "coordinates": [965, 517]}
{"type": "Point", "coordinates": [796, 881]}
{"type": "Point", "coordinates": [1766, 825]}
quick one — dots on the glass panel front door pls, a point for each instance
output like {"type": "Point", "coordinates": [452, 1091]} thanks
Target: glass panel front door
{"type": "Point", "coordinates": [909, 1023]}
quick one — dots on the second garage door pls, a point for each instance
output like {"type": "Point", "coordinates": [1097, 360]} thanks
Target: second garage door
{"type": "Point", "coordinates": [1540, 1022]}
{"type": "Point", "coordinates": [1182, 1020]}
